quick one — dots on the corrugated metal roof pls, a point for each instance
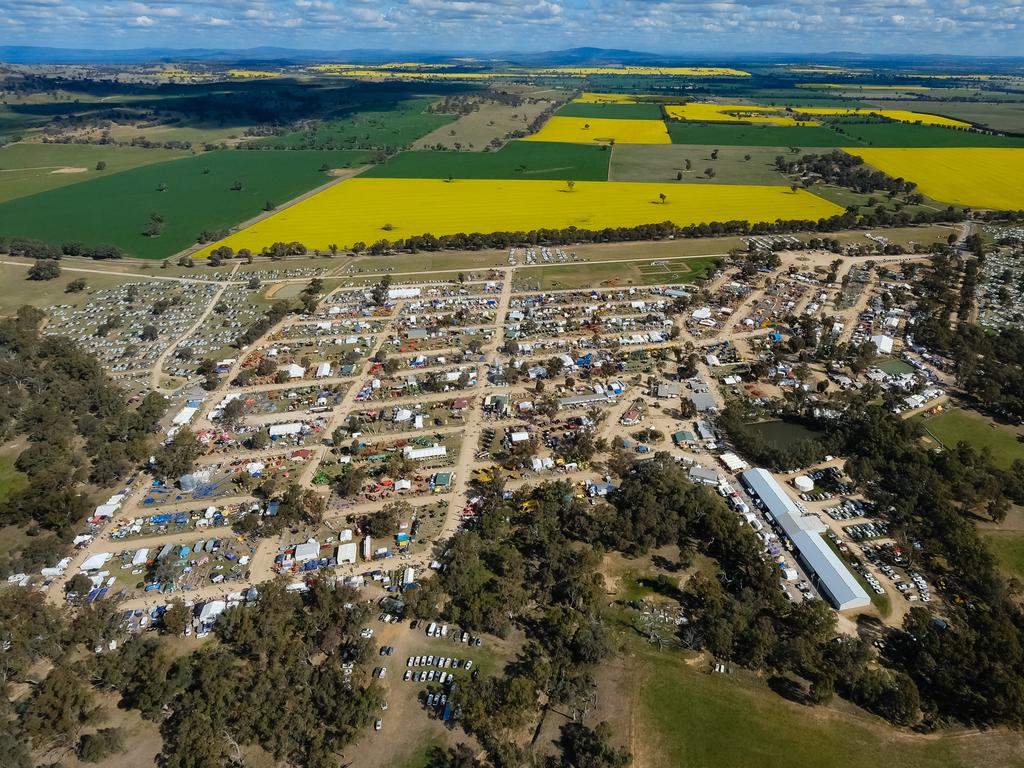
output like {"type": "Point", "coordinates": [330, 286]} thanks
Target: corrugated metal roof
{"type": "Point", "coordinates": [840, 586]}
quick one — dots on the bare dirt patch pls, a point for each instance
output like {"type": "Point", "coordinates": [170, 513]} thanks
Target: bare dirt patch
{"type": "Point", "coordinates": [478, 129]}
{"type": "Point", "coordinates": [70, 169]}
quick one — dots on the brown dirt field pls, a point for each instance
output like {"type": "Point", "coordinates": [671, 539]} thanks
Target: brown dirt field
{"type": "Point", "coordinates": [142, 739]}
{"type": "Point", "coordinates": [476, 130]}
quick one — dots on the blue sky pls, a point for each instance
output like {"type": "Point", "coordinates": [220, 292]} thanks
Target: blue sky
{"type": "Point", "coordinates": [962, 27]}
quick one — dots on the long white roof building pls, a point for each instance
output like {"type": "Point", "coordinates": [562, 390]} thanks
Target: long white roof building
{"type": "Point", "coordinates": [832, 578]}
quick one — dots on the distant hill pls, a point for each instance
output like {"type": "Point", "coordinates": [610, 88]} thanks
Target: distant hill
{"type": "Point", "coordinates": [582, 56]}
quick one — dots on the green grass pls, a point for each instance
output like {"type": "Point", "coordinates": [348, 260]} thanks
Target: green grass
{"type": "Point", "coordinates": [516, 160]}
{"type": "Point", "coordinates": [664, 162]}
{"type": "Point", "coordinates": [956, 424]}
{"type": "Point", "coordinates": [116, 208]}
{"type": "Point", "coordinates": [582, 275]}
{"type": "Point", "coordinates": [26, 169]}
{"type": "Point", "coordinates": [11, 480]}
{"type": "Point", "coordinates": [396, 127]}
{"type": "Point", "coordinates": [894, 366]}
{"type": "Point", "coordinates": [1008, 548]}
{"type": "Point", "coordinates": [613, 111]}
{"type": "Point", "coordinates": [725, 134]}
{"type": "Point", "coordinates": [687, 717]}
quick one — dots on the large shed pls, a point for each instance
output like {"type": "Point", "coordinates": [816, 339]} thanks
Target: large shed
{"type": "Point", "coordinates": [832, 578]}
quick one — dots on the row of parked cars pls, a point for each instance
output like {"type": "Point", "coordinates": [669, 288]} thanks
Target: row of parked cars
{"type": "Point", "coordinates": [441, 662]}
{"type": "Point", "coordinates": [848, 509]}
{"type": "Point", "coordinates": [866, 531]}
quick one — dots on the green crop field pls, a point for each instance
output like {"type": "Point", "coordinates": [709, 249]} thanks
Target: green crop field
{"type": "Point", "coordinates": [407, 121]}
{"type": "Point", "coordinates": [116, 208]}
{"type": "Point", "coordinates": [907, 135]}
{"type": "Point", "coordinates": [26, 169]}
{"type": "Point", "coordinates": [517, 159]}
{"type": "Point", "coordinates": [665, 162]}
{"type": "Point", "coordinates": [620, 111]}
{"type": "Point", "coordinates": [723, 134]}
{"type": "Point", "coordinates": [687, 717]}
{"type": "Point", "coordinates": [956, 424]}
{"type": "Point", "coordinates": [1005, 116]}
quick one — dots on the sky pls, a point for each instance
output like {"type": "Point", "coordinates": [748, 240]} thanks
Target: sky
{"type": "Point", "coordinates": [965, 27]}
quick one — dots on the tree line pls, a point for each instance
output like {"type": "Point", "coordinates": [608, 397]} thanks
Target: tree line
{"type": "Point", "coordinates": [79, 430]}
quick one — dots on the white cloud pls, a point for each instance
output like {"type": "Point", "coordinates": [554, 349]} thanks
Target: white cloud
{"type": "Point", "coordinates": [947, 26]}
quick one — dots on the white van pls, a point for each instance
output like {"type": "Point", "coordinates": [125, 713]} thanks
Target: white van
{"type": "Point", "coordinates": [432, 629]}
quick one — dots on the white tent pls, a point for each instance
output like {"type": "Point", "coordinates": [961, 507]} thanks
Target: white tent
{"type": "Point", "coordinates": [97, 561]}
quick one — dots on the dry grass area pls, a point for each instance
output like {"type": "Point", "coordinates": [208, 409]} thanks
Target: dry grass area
{"type": "Point", "coordinates": [142, 739]}
{"type": "Point", "coordinates": [492, 120]}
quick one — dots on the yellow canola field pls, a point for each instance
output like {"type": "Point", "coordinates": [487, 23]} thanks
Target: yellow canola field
{"type": "Point", "coordinates": [587, 130]}
{"type": "Point", "coordinates": [903, 115]}
{"type": "Point", "coordinates": [606, 98]}
{"type": "Point", "coordinates": [730, 113]}
{"type": "Point", "coordinates": [251, 74]}
{"type": "Point", "coordinates": [368, 210]}
{"type": "Point", "coordinates": [983, 178]}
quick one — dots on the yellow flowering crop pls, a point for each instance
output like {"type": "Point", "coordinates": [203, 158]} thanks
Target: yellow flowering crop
{"type": "Point", "coordinates": [591, 130]}
{"type": "Point", "coordinates": [368, 210]}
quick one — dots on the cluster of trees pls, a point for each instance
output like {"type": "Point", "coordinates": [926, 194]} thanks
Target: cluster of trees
{"type": "Point", "coordinates": [528, 561]}
{"type": "Point", "coordinates": [37, 249]}
{"type": "Point", "coordinates": [739, 613]}
{"type": "Point", "coordinates": [846, 170]}
{"type": "Point", "coordinates": [47, 702]}
{"type": "Point", "coordinates": [78, 427]}
{"type": "Point", "coordinates": [969, 666]}
{"type": "Point", "coordinates": [989, 362]}
{"type": "Point", "coordinates": [258, 685]}
{"type": "Point", "coordinates": [277, 312]}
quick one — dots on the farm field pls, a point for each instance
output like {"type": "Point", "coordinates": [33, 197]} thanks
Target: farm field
{"type": "Point", "coordinates": [116, 208]}
{"type": "Point", "coordinates": [901, 115]}
{"type": "Point", "coordinates": [730, 113]}
{"type": "Point", "coordinates": [517, 159]}
{"type": "Point", "coordinates": [582, 130]}
{"type": "Point", "coordinates": [999, 117]}
{"type": "Point", "coordinates": [395, 125]}
{"type": "Point", "coordinates": [369, 210]}
{"type": "Point", "coordinates": [987, 178]}
{"type": "Point", "coordinates": [611, 111]}
{"type": "Point", "coordinates": [639, 70]}
{"type": "Point", "coordinates": [198, 134]}
{"type": "Point", "coordinates": [904, 135]}
{"type": "Point", "coordinates": [492, 120]}
{"type": "Point", "coordinates": [26, 169]}
{"type": "Point", "coordinates": [664, 163]}
{"type": "Point", "coordinates": [736, 134]}
{"type": "Point", "coordinates": [956, 424]}
{"type": "Point", "coordinates": [683, 716]}
{"type": "Point", "coordinates": [606, 98]}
